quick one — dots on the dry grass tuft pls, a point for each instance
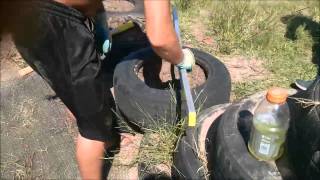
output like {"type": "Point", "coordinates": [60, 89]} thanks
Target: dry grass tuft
{"type": "Point", "coordinates": [306, 102]}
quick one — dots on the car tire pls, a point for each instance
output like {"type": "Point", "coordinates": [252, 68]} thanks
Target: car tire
{"type": "Point", "coordinates": [146, 106]}
{"type": "Point", "coordinates": [229, 157]}
{"type": "Point", "coordinates": [190, 159]}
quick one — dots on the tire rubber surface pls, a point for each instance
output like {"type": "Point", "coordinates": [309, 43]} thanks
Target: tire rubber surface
{"type": "Point", "coordinates": [229, 158]}
{"type": "Point", "coordinates": [187, 160]}
{"type": "Point", "coordinates": [144, 106]}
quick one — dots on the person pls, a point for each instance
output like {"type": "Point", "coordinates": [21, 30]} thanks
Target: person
{"type": "Point", "coordinates": [64, 40]}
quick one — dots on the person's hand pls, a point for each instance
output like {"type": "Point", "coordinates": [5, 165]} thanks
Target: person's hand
{"type": "Point", "coordinates": [102, 33]}
{"type": "Point", "coordinates": [188, 60]}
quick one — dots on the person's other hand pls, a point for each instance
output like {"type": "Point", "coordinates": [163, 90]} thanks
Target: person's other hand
{"type": "Point", "coordinates": [188, 60]}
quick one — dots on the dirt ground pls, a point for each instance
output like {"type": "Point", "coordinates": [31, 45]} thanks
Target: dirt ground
{"type": "Point", "coordinates": [118, 5]}
{"type": "Point", "coordinates": [37, 133]}
{"type": "Point", "coordinates": [243, 69]}
{"type": "Point", "coordinates": [240, 68]}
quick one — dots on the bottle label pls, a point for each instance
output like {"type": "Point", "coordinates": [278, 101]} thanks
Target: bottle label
{"type": "Point", "coordinates": [267, 146]}
{"type": "Point", "coordinates": [264, 147]}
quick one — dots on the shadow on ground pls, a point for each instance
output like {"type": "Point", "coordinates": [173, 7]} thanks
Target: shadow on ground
{"type": "Point", "coordinates": [293, 22]}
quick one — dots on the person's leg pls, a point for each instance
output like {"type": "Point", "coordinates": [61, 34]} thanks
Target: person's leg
{"type": "Point", "coordinates": [56, 42]}
{"type": "Point", "coordinates": [90, 157]}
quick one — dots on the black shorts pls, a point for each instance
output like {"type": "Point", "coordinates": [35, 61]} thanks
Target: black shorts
{"type": "Point", "coordinates": [58, 42]}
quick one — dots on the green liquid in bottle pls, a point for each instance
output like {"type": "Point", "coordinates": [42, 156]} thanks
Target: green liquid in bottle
{"type": "Point", "coordinates": [270, 125]}
{"type": "Point", "coordinates": [266, 141]}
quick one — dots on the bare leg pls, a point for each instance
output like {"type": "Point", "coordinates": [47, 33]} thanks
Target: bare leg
{"type": "Point", "coordinates": [89, 157]}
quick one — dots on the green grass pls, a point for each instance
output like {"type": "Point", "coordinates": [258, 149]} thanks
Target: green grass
{"type": "Point", "coordinates": [159, 144]}
{"type": "Point", "coordinates": [257, 29]}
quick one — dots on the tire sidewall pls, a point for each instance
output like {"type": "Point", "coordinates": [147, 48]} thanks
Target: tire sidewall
{"type": "Point", "coordinates": [133, 95]}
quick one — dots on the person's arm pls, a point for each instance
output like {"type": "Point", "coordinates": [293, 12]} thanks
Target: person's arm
{"type": "Point", "coordinates": [160, 30]}
{"type": "Point", "coordinates": [87, 7]}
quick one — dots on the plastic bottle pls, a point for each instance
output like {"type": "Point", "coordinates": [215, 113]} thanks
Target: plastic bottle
{"type": "Point", "coordinates": [270, 125]}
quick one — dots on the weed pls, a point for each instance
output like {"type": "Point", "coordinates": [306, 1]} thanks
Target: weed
{"type": "Point", "coordinates": [160, 142]}
{"type": "Point", "coordinates": [182, 4]}
{"type": "Point", "coordinates": [306, 102]}
{"type": "Point", "coordinates": [159, 145]}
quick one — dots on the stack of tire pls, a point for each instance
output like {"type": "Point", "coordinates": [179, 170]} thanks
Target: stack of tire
{"type": "Point", "coordinates": [141, 104]}
{"type": "Point", "coordinates": [136, 100]}
{"type": "Point", "coordinates": [217, 150]}
{"type": "Point", "coordinates": [224, 147]}
{"type": "Point", "coordinates": [226, 153]}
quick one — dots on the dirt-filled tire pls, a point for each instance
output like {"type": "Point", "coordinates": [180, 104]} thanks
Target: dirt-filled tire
{"type": "Point", "coordinates": [143, 105]}
{"type": "Point", "coordinates": [190, 159]}
{"type": "Point", "coordinates": [229, 158]}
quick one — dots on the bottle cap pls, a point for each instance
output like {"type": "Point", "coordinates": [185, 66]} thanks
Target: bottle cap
{"type": "Point", "coordinates": [277, 95]}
